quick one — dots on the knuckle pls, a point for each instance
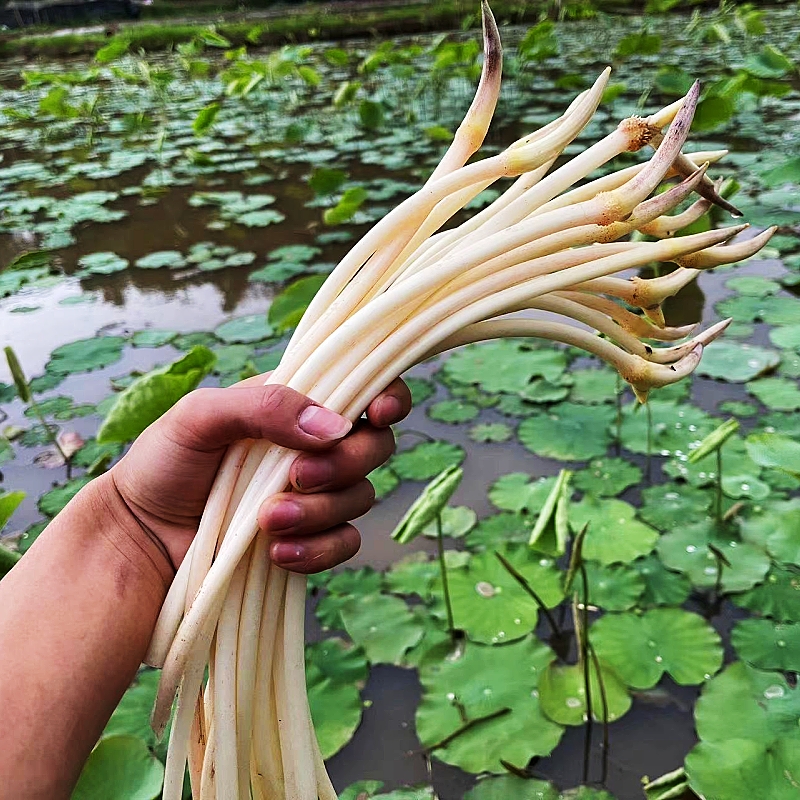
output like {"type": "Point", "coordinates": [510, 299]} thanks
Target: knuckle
{"type": "Point", "coordinates": [273, 401]}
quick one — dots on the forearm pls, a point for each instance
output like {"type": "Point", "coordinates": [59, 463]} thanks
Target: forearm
{"type": "Point", "coordinates": [76, 615]}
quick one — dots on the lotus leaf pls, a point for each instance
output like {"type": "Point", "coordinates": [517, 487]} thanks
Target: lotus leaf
{"type": "Point", "coordinates": [132, 716]}
{"type": "Point", "coordinates": [171, 259]}
{"type": "Point", "coordinates": [614, 588]}
{"type": "Point", "coordinates": [640, 648]}
{"type": "Point", "coordinates": [384, 481]}
{"type": "Point", "coordinates": [385, 627]}
{"type": "Point", "coordinates": [152, 337]}
{"type": "Point", "coordinates": [787, 337]}
{"type": "Point", "coordinates": [735, 462]}
{"type": "Point", "coordinates": [244, 330]}
{"type": "Point", "coordinates": [489, 604]}
{"type": "Point", "coordinates": [120, 768]}
{"type": "Point", "coordinates": [504, 366]}
{"type": "Point", "coordinates": [456, 521]}
{"type": "Point", "coordinates": [420, 389]}
{"type": "Point", "coordinates": [568, 432]}
{"type": "Point", "coordinates": [614, 534]}
{"type": "Point", "coordinates": [753, 285]}
{"type": "Point", "coordinates": [687, 550]}
{"type": "Point", "coordinates": [511, 786]}
{"type": "Point", "coordinates": [361, 790]}
{"type": "Point", "coordinates": [662, 586]}
{"type": "Point", "coordinates": [607, 477]}
{"type": "Point", "coordinates": [498, 529]}
{"type": "Point", "coordinates": [736, 362]}
{"type": "Point", "coordinates": [778, 597]}
{"type": "Point", "coordinates": [775, 310]}
{"type": "Point", "coordinates": [668, 505]}
{"type": "Point", "coordinates": [675, 427]}
{"type": "Point", "coordinates": [776, 529]}
{"type": "Point", "coordinates": [290, 305]}
{"type": "Point", "coordinates": [563, 695]}
{"type": "Point", "coordinates": [85, 354]}
{"type": "Point", "coordinates": [334, 673]}
{"type": "Point", "coordinates": [749, 737]}
{"type": "Point", "coordinates": [774, 450]}
{"type": "Point", "coordinates": [453, 411]}
{"type": "Point", "coordinates": [593, 386]}
{"type": "Point", "coordinates": [485, 681]}
{"type": "Point", "coordinates": [50, 503]}
{"type": "Point", "coordinates": [517, 492]}
{"type": "Point", "coordinates": [153, 394]}
{"type": "Point", "coordinates": [101, 264]}
{"type": "Point", "coordinates": [491, 432]}
{"type": "Point", "coordinates": [780, 394]}
{"type": "Point", "coordinates": [426, 460]}
{"type": "Point", "coordinates": [9, 502]}
{"type": "Point", "coordinates": [766, 644]}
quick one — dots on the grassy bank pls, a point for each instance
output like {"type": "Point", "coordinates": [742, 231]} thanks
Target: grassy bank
{"type": "Point", "coordinates": [287, 24]}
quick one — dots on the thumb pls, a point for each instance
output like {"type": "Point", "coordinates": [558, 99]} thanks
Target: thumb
{"type": "Point", "coordinates": [208, 419]}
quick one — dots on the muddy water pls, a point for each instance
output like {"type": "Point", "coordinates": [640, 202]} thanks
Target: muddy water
{"type": "Point", "coordinates": [651, 739]}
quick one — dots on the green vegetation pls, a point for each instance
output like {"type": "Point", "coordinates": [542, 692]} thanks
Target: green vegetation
{"type": "Point", "coordinates": [227, 180]}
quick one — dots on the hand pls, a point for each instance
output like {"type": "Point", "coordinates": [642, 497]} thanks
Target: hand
{"type": "Point", "coordinates": [165, 478]}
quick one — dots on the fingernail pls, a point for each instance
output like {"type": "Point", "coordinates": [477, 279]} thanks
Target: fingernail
{"type": "Point", "coordinates": [284, 515]}
{"type": "Point", "coordinates": [322, 423]}
{"type": "Point", "coordinates": [286, 553]}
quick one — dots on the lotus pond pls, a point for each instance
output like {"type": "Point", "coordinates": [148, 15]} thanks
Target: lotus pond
{"type": "Point", "coordinates": [184, 209]}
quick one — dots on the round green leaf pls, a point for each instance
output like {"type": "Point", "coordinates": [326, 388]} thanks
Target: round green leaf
{"type": "Point", "coordinates": [736, 362]}
{"type": "Point", "coordinates": [171, 259]}
{"type": "Point", "coordinates": [510, 786]}
{"type": "Point", "coordinates": [421, 390]}
{"type": "Point", "coordinates": [593, 386]}
{"type": "Point", "coordinates": [426, 460]}
{"type": "Point", "coordinates": [780, 394]}
{"type": "Point", "coordinates": [489, 604]}
{"type": "Point", "coordinates": [252, 328]}
{"type": "Point", "coordinates": [686, 550]}
{"type": "Point", "coordinates": [675, 427]}
{"type": "Point", "coordinates": [120, 768]}
{"type": "Point", "coordinates": [491, 432]}
{"type": "Point", "coordinates": [668, 505]}
{"type": "Point", "coordinates": [289, 306]}
{"type": "Point", "coordinates": [506, 365]}
{"type": "Point", "coordinates": [562, 694]}
{"type": "Point", "coordinates": [482, 682]}
{"type": "Point", "coordinates": [52, 502]}
{"type": "Point", "coordinates": [607, 477]}
{"type": "Point", "coordinates": [778, 597]}
{"type": "Point", "coordinates": [753, 285]}
{"type": "Point", "coordinates": [787, 337]}
{"type": "Point", "coordinates": [517, 492]}
{"type": "Point", "coordinates": [749, 726]}
{"type": "Point", "coordinates": [766, 644]}
{"type": "Point", "coordinates": [457, 522]}
{"type": "Point", "coordinates": [384, 481]}
{"type": "Point", "coordinates": [775, 451]}
{"type": "Point", "coordinates": [335, 671]}
{"type": "Point", "coordinates": [662, 586]}
{"type": "Point", "coordinates": [640, 648]}
{"type": "Point", "coordinates": [776, 529]}
{"type": "Point", "coordinates": [384, 627]}
{"type": "Point", "coordinates": [152, 337]}
{"type": "Point", "coordinates": [101, 264]}
{"type": "Point", "coordinates": [132, 716]}
{"type": "Point", "coordinates": [453, 411]}
{"type": "Point", "coordinates": [499, 529]}
{"type": "Point", "coordinates": [85, 354]}
{"type": "Point", "coordinates": [614, 534]}
{"type": "Point", "coordinates": [568, 432]}
{"type": "Point", "coordinates": [615, 588]}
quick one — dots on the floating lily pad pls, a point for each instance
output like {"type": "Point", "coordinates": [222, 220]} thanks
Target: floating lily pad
{"type": "Point", "coordinates": [777, 597]}
{"type": "Point", "coordinates": [777, 529]}
{"type": "Point", "coordinates": [456, 521]}
{"type": "Point", "coordinates": [509, 786]}
{"type": "Point", "coordinates": [568, 432]}
{"type": "Point", "coordinates": [736, 362]}
{"type": "Point", "coordinates": [593, 386]}
{"type": "Point", "coordinates": [614, 534]}
{"type": "Point", "coordinates": [104, 263]}
{"type": "Point", "coordinates": [517, 492]}
{"type": "Point", "coordinates": [421, 390]}
{"type": "Point", "coordinates": [640, 648]}
{"type": "Point", "coordinates": [504, 366]}
{"type": "Point", "coordinates": [787, 337]}
{"type": "Point", "coordinates": [663, 587]}
{"type": "Point", "coordinates": [384, 627]}
{"type": "Point", "coordinates": [132, 716]}
{"type": "Point", "coordinates": [491, 432]}
{"type": "Point", "coordinates": [152, 337]}
{"type": "Point", "coordinates": [85, 354]}
{"type": "Point", "coordinates": [426, 460]}
{"type": "Point", "coordinates": [753, 285]}
{"type": "Point", "coordinates": [607, 477]}
{"type": "Point", "coordinates": [775, 310]}
{"type": "Point", "coordinates": [766, 644]}
{"type": "Point", "coordinates": [489, 604]}
{"type": "Point", "coordinates": [750, 739]}
{"type": "Point", "coordinates": [335, 671]}
{"type": "Point", "coordinates": [483, 682]}
{"type": "Point", "coordinates": [50, 503]}
{"type": "Point", "coordinates": [288, 307]}
{"type": "Point", "coordinates": [614, 588]}
{"type": "Point", "coordinates": [120, 768]}
{"type": "Point", "coordinates": [675, 427]}
{"type": "Point", "coordinates": [563, 695]}
{"type": "Point", "coordinates": [735, 462]}
{"type": "Point", "coordinates": [687, 550]}
{"type": "Point", "coordinates": [671, 504]}
{"type": "Point", "coordinates": [384, 481]}
{"type": "Point", "coordinates": [453, 411]}
{"type": "Point", "coordinates": [252, 328]}
{"type": "Point", "coordinates": [780, 394]}
{"type": "Point", "coordinates": [499, 529]}
{"type": "Point", "coordinates": [168, 259]}
{"type": "Point", "coordinates": [775, 451]}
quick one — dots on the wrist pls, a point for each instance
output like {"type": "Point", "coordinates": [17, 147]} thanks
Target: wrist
{"type": "Point", "coordinates": [123, 530]}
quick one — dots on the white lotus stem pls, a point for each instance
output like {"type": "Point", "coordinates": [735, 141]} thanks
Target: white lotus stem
{"type": "Point", "coordinates": [718, 256]}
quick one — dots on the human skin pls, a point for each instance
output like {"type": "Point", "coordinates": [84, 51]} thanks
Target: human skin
{"type": "Point", "coordinates": [77, 612]}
